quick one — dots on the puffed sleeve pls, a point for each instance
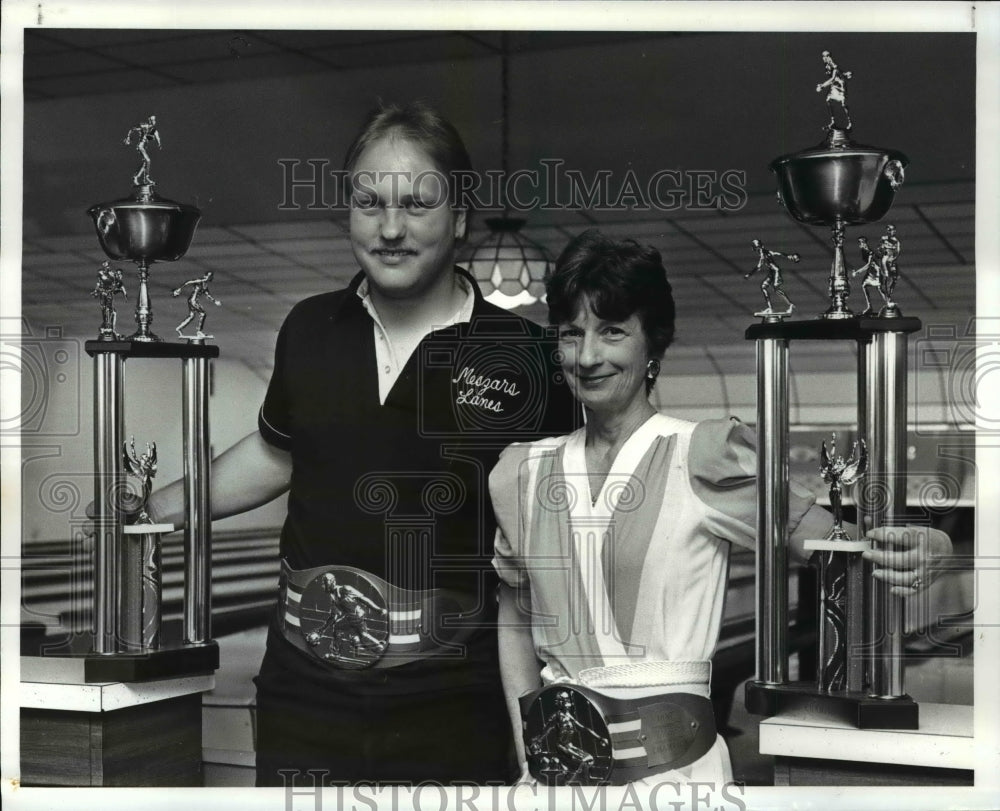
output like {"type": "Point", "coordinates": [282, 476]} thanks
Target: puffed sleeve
{"type": "Point", "coordinates": [722, 461]}
{"type": "Point", "coordinates": [508, 483]}
{"type": "Point", "coordinates": [274, 418]}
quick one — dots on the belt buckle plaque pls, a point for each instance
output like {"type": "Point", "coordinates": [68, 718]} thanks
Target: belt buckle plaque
{"type": "Point", "coordinates": [566, 739]}
{"type": "Point", "coordinates": [344, 619]}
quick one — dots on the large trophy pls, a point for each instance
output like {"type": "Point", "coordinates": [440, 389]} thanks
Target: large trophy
{"type": "Point", "coordinates": [860, 678]}
{"type": "Point", "coordinates": [128, 642]}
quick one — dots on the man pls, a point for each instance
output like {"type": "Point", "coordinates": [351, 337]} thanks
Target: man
{"type": "Point", "coordinates": [387, 408]}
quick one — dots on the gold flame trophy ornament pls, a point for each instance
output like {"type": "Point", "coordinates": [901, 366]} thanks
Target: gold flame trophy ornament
{"type": "Point", "coordinates": [142, 558]}
{"type": "Point", "coordinates": [860, 678]}
{"type": "Point", "coordinates": [128, 643]}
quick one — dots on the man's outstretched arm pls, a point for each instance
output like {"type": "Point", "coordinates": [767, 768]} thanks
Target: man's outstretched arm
{"type": "Point", "coordinates": [248, 475]}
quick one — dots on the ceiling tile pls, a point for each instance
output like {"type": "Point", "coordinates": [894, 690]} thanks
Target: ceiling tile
{"type": "Point", "coordinates": [229, 69]}
{"type": "Point", "coordinates": [95, 83]}
{"type": "Point", "coordinates": [308, 229]}
{"type": "Point", "coordinates": [197, 47]}
{"type": "Point", "coordinates": [67, 64]}
{"type": "Point", "coordinates": [406, 48]}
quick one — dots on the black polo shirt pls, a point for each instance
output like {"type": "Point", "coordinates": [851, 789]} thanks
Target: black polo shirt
{"type": "Point", "coordinates": [400, 489]}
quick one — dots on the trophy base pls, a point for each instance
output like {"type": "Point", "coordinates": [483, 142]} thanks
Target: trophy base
{"type": "Point", "coordinates": [857, 709]}
{"type": "Point", "coordinates": [77, 655]}
{"type": "Point", "coordinates": [153, 349]}
{"type": "Point", "coordinates": [858, 329]}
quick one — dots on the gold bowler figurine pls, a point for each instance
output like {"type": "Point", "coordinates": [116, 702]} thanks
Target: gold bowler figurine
{"type": "Point", "coordinates": [772, 280]}
{"type": "Point", "coordinates": [881, 271]}
{"type": "Point", "coordinates": [144, 132]}
{"type": "Point", "coordinates": [109, 285]}
{"type": "Point", "coordinates": [199, 288]}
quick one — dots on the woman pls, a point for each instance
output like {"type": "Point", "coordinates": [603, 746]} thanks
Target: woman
{"type": "Point", "coordinates": [613, 543]}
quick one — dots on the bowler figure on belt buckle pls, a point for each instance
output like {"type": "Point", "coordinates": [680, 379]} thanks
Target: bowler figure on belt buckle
{"type": "Point", "coordinates": [838, 472]}
{"type": "Point", "coordinates": [566, 737]}
{"type": "Point", "coordinates": [348, 635]}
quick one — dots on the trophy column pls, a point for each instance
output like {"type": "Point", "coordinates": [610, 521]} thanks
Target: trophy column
{"type": "Point", "coordinates": [861, 678]}
{"type": "Point", "coordinates": [882, 387]}
{"type": "Point", "coordinates": [772, 510]}
{"type": "Point", "coordinates": [198, 531]}
{"type": "Point", "coordinates": [127, 605]}
{"type": "Point", "coordinates": [109, 374]}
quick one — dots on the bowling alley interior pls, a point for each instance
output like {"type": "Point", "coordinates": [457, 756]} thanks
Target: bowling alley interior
{"type": "Point", "coordinates": [697, 143]}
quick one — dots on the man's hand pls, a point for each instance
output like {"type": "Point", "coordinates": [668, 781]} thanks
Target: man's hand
{"type": "Point", "coordinates": [129, 505]}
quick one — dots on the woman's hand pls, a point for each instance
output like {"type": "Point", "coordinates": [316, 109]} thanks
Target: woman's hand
{"type": "Point", "coordinates": [907, 557]}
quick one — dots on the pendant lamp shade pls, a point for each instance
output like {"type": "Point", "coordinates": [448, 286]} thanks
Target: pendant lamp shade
{"type": "Point", "coordinates": [508, 261]}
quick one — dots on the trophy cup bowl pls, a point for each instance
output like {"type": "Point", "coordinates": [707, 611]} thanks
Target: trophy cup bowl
{"type": "Point", "coordinates": [849, 185]}
{"type": "Point", "coordinates": [145, 228]}
{"type": "Point", "coordinates": [158, 230]}
{"type": "Point", "coordinates": [836, 184]}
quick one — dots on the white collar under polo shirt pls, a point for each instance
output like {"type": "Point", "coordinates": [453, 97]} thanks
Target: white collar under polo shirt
{"type": "Point", "coordinates": [391, 356]}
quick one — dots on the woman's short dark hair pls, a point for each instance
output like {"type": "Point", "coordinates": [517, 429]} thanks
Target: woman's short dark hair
{"type": "Point", "coordinates": [619, 279]}
{"type": "Point", "coordinates": [421, 123]}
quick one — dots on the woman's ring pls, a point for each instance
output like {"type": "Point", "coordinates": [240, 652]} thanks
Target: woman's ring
{"type": "Point", "coordinates": [917, 582]}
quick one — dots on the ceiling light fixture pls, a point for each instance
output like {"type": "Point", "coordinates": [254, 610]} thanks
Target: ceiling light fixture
{"type": "Point", "coordinates": [509, 267]}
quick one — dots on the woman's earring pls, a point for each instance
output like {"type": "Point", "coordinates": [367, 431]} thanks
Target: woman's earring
{"type": "Point", "coordinates": [652, 369]}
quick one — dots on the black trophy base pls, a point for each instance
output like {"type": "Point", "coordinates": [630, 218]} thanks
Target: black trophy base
{"type": "Point", "coordinates": [857, 709]}
{"type": "Point", "coordinates": [161, 664]}
{"type": "Point", "coordinates": [852, 328]}
{"type": "Point", "coordinates": [78, 661]}
{"type": "Point", "coordinates": [152, 349]}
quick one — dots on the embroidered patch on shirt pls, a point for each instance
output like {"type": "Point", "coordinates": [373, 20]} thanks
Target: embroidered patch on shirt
{"type": "Point", "coordinates": [482, 391]}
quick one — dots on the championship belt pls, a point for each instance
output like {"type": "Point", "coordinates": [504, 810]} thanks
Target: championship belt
{"type": "Point", "coordinates": [576, 736]}
{"type": "Point", "coordinates": [352, 619]}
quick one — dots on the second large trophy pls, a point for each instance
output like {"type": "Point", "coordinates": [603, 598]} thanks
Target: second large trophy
{"type": "Point", "coordinates": [129, 643]}
{"type": "Point", "coordinates": [860, 676]}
